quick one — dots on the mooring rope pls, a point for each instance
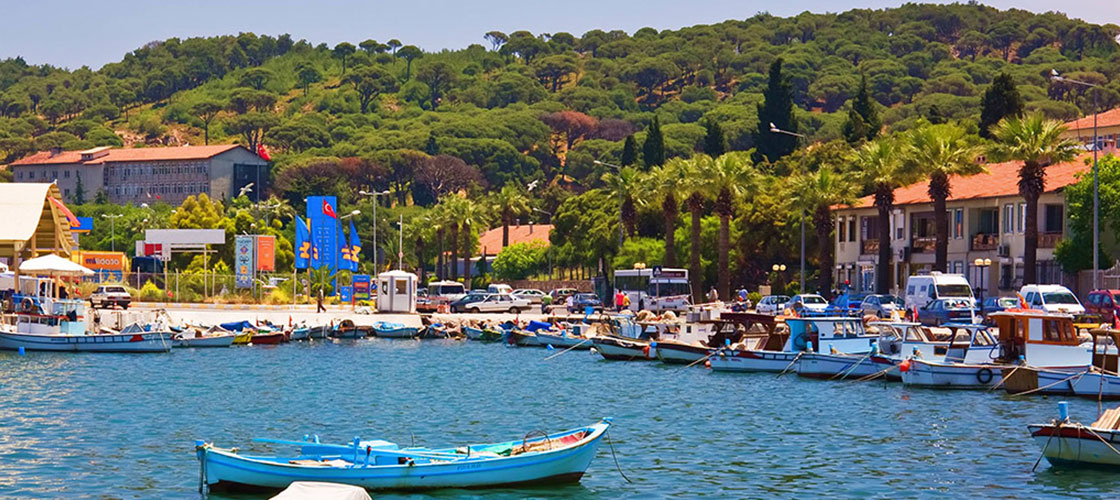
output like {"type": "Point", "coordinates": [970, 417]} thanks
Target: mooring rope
{"type": "Point", "coordinates": [616, 466]}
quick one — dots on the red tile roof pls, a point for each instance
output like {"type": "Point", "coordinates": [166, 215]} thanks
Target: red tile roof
{"type": "Point", "coordinates": [1109, 118]}
{"type": "Point", "coordinates": [491, 241]}
{"type": "Point", "coordinates": [1001, 179]}
{"type": "Point", "coordinates": [127, 155]}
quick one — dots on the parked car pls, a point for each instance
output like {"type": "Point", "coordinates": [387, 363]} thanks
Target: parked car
{"type": "Point", "coordinates": [450, 290]}
{"type": "Point", "coordinates": [772, 304]}
{"type": "Point", "coordinates": [492, 302]}
{"type": "Point", "coordinates": [465, 303]}
{"type": "Point", "coordinates": [499, 288]}
{"type": "Point", "coordinates": [1105, 304]}
{"type": "Point", "coordinates": [533, 295]}
{"type": "Point", "coordinates": [997, 304]}
{"type": "Point", "coordinates": [107, 296]}
{"type": "Point", "coordinates": [1051, 298]}
{"type": "Point", "coordinates": [808, 302]}
{"type": "Point", "coordinates": [941, 311]}
{"type": "Point", "coordinates": [559, 295]}
{"type": "Point", "coordinates": [582, 301]}
{"type": "Point", "coordinates": [848, 303]}
{"type": "Point", "coordinates": [881, 305]}
{"type": "Point", "coordinates": [921, 289]}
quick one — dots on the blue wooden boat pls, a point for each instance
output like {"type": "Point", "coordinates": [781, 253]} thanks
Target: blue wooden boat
{"type": "Point", "coordinates": [394, 330]}
{"type": "Point", "coordinates": [536, 458]}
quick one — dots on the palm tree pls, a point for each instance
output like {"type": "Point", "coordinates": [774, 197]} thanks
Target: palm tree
{"type": "Point", "coordinates": [697, 185]}
{"type": "Point", "coordinates": [879, 164]}
{"type": "Point", "coordinates": [1038, 143]}
{"type": "Point", "coordinates": [624, 184]}
{"type": "Point", "coordinates": [728, 178]}
{"type": "Point", "coordinates": [470, 215]}
{"type": "Point", "coordinates": [663, 183]}
{"type": "Point", "coordinates": [510, 203]}
{"type": "Point", "coordinates": [816, 193]}
{"type": "Point", "coordinates": [941, 151]}
{"type": "Point", "coordinates": [452, 209]}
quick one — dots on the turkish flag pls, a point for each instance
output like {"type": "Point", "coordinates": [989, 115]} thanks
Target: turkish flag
{"type": "Point", "coordinates": [262, 153]}
{"type": "Point", "coordinates": [328, 210]}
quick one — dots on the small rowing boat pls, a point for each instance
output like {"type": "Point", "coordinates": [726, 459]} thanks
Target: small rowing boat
{"type": "Point", "coordinates": [1072, 444]}
{"type": "Point", "coordinates": [394, 330]}
{"type": "Point", "coordinates": [195, 337]}
{"type": "Point", "coordinates": [537, 458]}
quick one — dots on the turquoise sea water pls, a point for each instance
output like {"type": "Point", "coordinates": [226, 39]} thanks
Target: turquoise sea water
{"type": "Point", "coordinates": [109, 426]}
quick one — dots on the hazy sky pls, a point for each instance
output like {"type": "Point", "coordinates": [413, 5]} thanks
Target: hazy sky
{"type": "Point", "coordinates": [72, 33]}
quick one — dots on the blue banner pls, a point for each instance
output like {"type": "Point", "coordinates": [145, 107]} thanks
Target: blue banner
{"type": "Point", "coordinates": [85, 225]}
{"type": "Point", "coordinates": [303, 244]}
{"type": "Point", "coordinates": [322, 210]}
{"type": "Point", "coordinates": [355, 247]}
{"type": "Point", "coordinates": [344, 293]}
{"type": "Point", "coordinates": [243, 261]}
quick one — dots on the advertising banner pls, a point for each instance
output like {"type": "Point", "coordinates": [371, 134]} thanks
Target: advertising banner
{"type": "Point", "coordinates": [322, 211]}
{"type": "Point", "coordinates": [361, 286]}
{"type": "Point", "coordinates": [266, 253]}
{"type": "Point", "coordinates": [109, 266]}
{"type": "Point", "coordinates": [243, 261]}
{"type": "Point", "coordinates": [344, 293]}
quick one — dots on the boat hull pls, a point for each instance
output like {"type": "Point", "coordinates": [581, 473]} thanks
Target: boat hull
{"type": "Point", "coordinates": [841, 367]}
{"type": "Point", "coordinates": [125, 342]}
{"type": "Point", "coordinates": [482, 335]}
{"type": "Point", "coordinates": [1065, 383]}
{"type": "Point", "coordinates": [1072, 445]}
{"type": "Point", "coordinates": [300, 334]}
{"type": "Point", "coordinates": [620, 349]}
{"type": "Point", "coordinates": [226, 470]}
{"type": "Point", "coordinates": [563, 341]}
{"type": "Point", "coordinates": [212, 341]}
{"type": "Point", "coordinates": [726, 360]}
{"type": "Point", "coordinates": [396, 333]}
{"type": "Point", "coordinates": [678, 353]}
{"type": "Point", "coordinates": [522, 338]}
{"type": "Point", "coordinates": [267, 339]}
{"type": "Point", "coordinates": [951, 375]}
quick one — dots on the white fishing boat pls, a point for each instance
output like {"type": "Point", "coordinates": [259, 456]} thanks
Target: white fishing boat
{"type": "Point", "coordinates": [782, 348]}
{"type": "Point", "coordinates": [1072, 444]}
{"type": "Point", "coordinates": [1098, 380]}
{"type": "Point", "coordinates": [563, 338]}
{"type": "Point", "coordinates": [48, 324]}
{"type": "Point", "coordinates": [625, 341]}
{"type": "Point", "coordinates": [846, 366]}
{"type": "Point", "coordinates": [196, 337]}
{"type": "Point", "coordinates": [691, 342]}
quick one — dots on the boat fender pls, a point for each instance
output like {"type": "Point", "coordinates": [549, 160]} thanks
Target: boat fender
{"type": "Point", "coordinates": [904, 366]}
{"type": "Point", "coordinates": [645, 351]}
{"type": "Point", "coordinates": [708, 364]}
{"type": "Point", "coordinates": [984, 375]}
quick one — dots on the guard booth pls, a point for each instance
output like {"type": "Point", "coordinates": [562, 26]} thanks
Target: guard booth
{"type": "Point", "coordinates": [396, 292]}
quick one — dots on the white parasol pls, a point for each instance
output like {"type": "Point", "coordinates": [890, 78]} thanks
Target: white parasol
{"type": "Point", "coordinates": [53, 265]}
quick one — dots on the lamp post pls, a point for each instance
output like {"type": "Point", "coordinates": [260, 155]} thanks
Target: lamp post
{"type": "Point", "coordinates": [780, 269]}
{"type": "Point", "coordinates": [374, 195]}
{"type": "Point", "coordinates": [400, 245]}
{"type": "Point", "coordinates": [112, 230]}
{"type": "Point", "coordinates": [1054, 75]}
{"type": "Point", "coordinates": [775, 130]}
{"type": "Point", "coordinates": [620, 220]}
{"type": "Point", "coordinates": [983, 265]}
{"type": "Point", "coordinates": [549, 214]}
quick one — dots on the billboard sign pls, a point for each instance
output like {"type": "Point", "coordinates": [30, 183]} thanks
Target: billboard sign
{"type": "Point", "coordinates": [243, 250]}
{"type": "Point", "coordinates": [323, 213]}
{"type": "Point", "coordinates": [266, 253]}
{"type": "Point", "coordinates": [85, 225]}
{"type": "Point", "coordinates": [361, 286]}
{"type": "Point", "coordinates": [344, 293]}
{"type": "Point", "coordinates": [107, 265]}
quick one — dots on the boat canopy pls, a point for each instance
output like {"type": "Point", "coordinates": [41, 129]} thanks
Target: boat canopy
{"type": "Point", "coordinates": [238, 326]}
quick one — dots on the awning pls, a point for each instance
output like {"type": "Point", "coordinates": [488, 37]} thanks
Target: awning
{"type": "Point", "coordinates": [53, 265]}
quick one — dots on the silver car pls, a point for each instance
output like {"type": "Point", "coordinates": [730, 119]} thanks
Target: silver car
{"type": "Point", "coordinates": [772, 304]}
{"type": "Point", "coordinates": [881, 305]}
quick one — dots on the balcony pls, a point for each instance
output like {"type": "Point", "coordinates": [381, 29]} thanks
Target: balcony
{"type": "Point", "coordinates": [1048, 240]}
{"type": "Point", "coordinates": [869, 246]}
{"type": "Point", "coordinates": [923, 245]}
{"type": "Point", "coordinates": [985, 242]}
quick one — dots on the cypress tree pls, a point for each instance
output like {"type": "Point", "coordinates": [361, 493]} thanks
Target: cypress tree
{"type": "Point", "coordinates": [776, 108]}
{"type": "Point", "coordinates": [867, 126]}
{"type": "Point", "coordinates": [629, 151]}
{"type": "Point", "coordinates": [715, 143]}
{"type": "Point", "coordinates": [431, 147]}
{"type": "Point", "coordinates": [79, 191]}
{"type": "Point", "coordinates": [1001, 100]}
{"type": "Point", "coordinates": [653, 150]}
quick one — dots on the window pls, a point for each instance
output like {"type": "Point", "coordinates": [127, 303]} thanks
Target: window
{"type": "Point", "coordinates": [958, 223]}
{"type": "Point", "coordinates": [989, 221]}
{"type": "Point", "coordinates": [1008, 218]}
{"type": "Point", "coordinates": [31, 174]}
{"type": "Point", "coordinates": [67, 193]}
{"type": "Point", "coordinates": [21, 175]}
{"type": "Point", "coordinates": [899, 227]}
{"type": "Point", "coordinates": [852, 228]}
{"type": "Point", "coordinates": [840, 234]}
{"type": "Point", "coordinates": [66, 174]}
{"type": "Point", "coordinates": [1021, 213]}
{"type": "Point", "coordinates": [1053, 222]}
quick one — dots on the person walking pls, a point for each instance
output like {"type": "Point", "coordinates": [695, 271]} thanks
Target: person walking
{"type": "Point", "coordinates": [319, 302]}
{"type": "Point", "coordinates": [618, 299]}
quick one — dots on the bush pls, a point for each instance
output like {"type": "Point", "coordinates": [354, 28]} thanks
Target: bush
{"type": "Point", "coordinates": [754, 297]}
{"type": "Point", "coordinates": [151, 293]}
{"type": "Point", "coordinates": [519, 261]}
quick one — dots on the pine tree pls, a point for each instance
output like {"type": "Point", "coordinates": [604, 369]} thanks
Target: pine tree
{"type": "Point", "coordinates": [715, 143]}
{"type": "Point", "coordinates": [101, 198]}
{"type": "Point", "coordinates": [777, 109]}
{"type": "Point", "coordinates": [934, 115]}
{"type": "Point", "coordinates": [629, 151]}
{"type": "Point", "coordinates": [431, 147]}
{"type": "Point", "coordinates": [863, 119]}
{"type": "Point", "coordinates": [653, 150]}
{"type": "Point", "coordinates": [1001, 100]}
{"type": "Point", "coordinates": [79, 197]}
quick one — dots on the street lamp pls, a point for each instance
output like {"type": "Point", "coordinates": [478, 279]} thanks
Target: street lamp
{"type": "Point", "coordinates": [780, 269]}
{"type": "Point", "coordinates": [112, 229]}
{"type": "Point", "coordinates": [549, 214]}
{"type": "Point", "coordinates": [374, 195]}
{"type": "Point", "coordinates": [620, 221]}
{"type": "Point", "coordinates": [400, 245]}
{"type": "Point", "coordinates": [983, 265]}
{"type": "Point", "coordinates": [1054, 75]}
{"type": "Point", "coordinates": [775, 130]}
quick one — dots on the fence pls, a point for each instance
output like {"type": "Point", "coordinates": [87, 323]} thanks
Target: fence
{"type": "Point", "coordinates": [175, 287]}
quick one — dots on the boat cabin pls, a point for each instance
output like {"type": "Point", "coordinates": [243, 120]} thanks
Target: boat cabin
{"type": "Point", "coordinates": [952, 342]}
{"type": "Point", "coordinates": [1042, 339]}
{"type": "Point", "coordinates": [1105, 356]}
{"type": "Point", "coordinates": [48, 316]}
{"type": "Point", "coordinates": [735, 327]}
{"type": "Point", "coordinates": [826, 334]}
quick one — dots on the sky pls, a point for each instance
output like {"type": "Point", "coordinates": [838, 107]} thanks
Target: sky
{"type": "Point", "coordinates": [75, 33]}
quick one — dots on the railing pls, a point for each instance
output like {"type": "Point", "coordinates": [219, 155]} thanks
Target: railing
{"type": "Point", "coordinates": [869, 246]}
{"type": "Point", "coordinates": [1048, 240]}
{"type": "Point", "coordinates": [985, 241]}
{"type": "Point", "coordinates": [924, 245]}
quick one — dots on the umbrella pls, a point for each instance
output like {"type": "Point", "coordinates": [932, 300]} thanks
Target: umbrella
{"type": "Point", "coordinates": [53, 265]}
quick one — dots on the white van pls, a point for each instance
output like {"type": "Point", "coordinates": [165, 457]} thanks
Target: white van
{"type": "Point", "coordinates": [1051, 298]}
{"type": "Point", "coordinates": [924, 288]}
{"type": "Point", "coordinates": [499, 288]}
{"type": "Point", "coordinates": [450, 290]}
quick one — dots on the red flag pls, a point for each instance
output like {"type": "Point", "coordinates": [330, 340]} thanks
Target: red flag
{"type": "Point", "coordinates": [262, 153]}
{"type": "Point", "coordinates": [328, 210]}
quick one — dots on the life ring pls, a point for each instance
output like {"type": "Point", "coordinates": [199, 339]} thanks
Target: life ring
{"type": "Point", "coordinates": [800, 342]}
{"type": "Point", "coordinates": [27, 305]}
{"type": "Point", "coordinates": [984, 375]}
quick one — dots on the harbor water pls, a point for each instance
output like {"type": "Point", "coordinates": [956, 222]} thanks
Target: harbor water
{"type": "Point", "coordinates": [110, 426]}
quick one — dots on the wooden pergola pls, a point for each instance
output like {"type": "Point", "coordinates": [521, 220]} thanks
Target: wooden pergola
{"type": "Point", "coordinates": [34, 222]}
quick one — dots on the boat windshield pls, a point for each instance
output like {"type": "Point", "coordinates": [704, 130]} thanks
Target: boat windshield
{"type": "Point", "coordinates": [1055, 298]}
{"type": "Point", "coordinates": [669, 289]}
{"type": "Point", "coordinates": [813, 299]}
{"type": "Point", "coordinates": [983, 338]}
{"type": "Point", "coordinates": [954, 291]}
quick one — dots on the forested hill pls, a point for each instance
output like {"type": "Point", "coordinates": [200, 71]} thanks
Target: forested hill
{"type": "Point", "coordinates": [527, 106]}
